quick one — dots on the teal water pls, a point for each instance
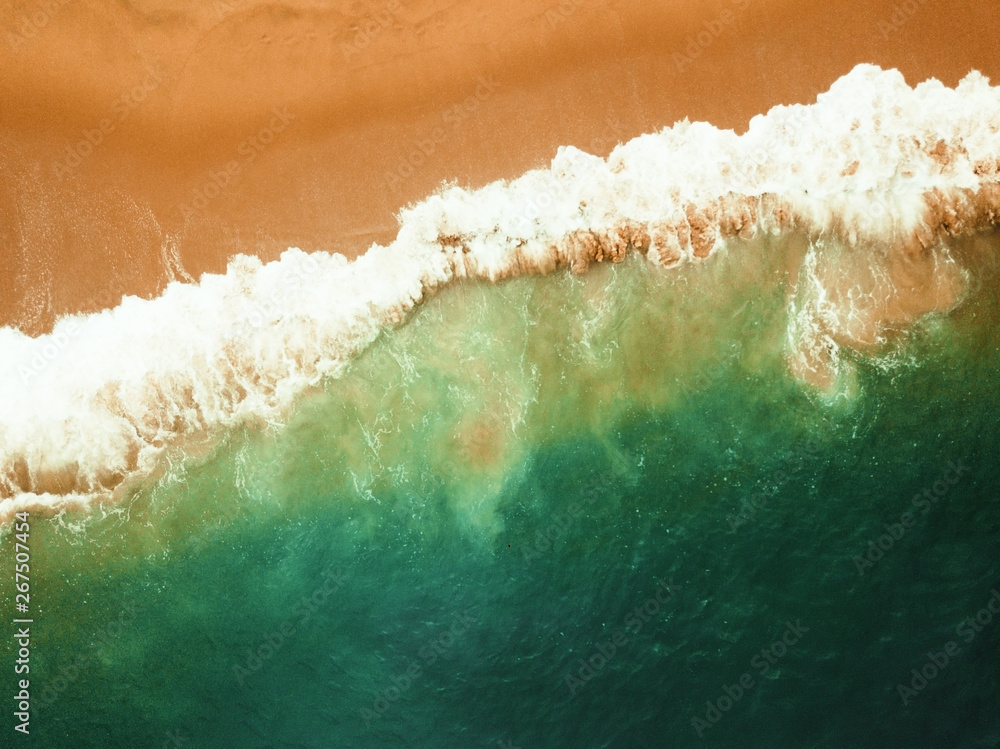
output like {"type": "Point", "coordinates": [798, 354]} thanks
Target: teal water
{"type": "Point", "coordinates": [441, 548]}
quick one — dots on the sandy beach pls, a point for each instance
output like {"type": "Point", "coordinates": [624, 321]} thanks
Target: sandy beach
{"type": "Point", "coordinates": [147, 143]}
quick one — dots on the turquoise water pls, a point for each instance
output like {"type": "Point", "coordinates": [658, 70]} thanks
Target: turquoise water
{"type": "Point", "coordinates": [556, 512]}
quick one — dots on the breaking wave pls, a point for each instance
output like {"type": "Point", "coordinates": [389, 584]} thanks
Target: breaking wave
{"type": "Point", "coordinates": [862, 190]}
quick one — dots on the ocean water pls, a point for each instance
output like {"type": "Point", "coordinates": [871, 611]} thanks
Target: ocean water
{"type": "Point", "coordinates": [425, 552]}
{"type": "Point", "coordinates": [747, 500]}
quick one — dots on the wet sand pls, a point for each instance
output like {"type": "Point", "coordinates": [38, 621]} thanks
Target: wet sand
{"type": "Point", "coordinates": [145, 143]}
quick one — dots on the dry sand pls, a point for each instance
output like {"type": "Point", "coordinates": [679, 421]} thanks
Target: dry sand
{"type": "Point", "coordinates": [150, 140]}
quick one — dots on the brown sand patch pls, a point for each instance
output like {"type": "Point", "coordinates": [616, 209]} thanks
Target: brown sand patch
{"type": "Point", "coordinates": [171, 94]}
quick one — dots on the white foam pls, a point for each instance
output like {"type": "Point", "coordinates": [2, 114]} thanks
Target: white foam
{"type": "Point", "coordinates": [872, 164]}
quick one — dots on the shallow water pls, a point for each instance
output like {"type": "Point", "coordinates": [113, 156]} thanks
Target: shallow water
{"type": "Point", "coordinates": [443, 546]}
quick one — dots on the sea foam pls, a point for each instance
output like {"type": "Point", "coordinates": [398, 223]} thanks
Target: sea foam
{"type": "Point", "coordinates": [873, 177]}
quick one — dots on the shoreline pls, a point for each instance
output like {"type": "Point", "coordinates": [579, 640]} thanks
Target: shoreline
{"type": "Point", "coordinates": [381, 104]}
{"type": "Point", "coordinates": [868, 254]}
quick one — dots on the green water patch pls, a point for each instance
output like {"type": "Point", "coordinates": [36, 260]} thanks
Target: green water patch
{"type": "Point", "coordinates": [567, 511]}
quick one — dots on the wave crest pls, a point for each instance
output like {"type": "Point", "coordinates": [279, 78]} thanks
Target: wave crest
{"type": "Point", "coordinates": [875, 176]}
